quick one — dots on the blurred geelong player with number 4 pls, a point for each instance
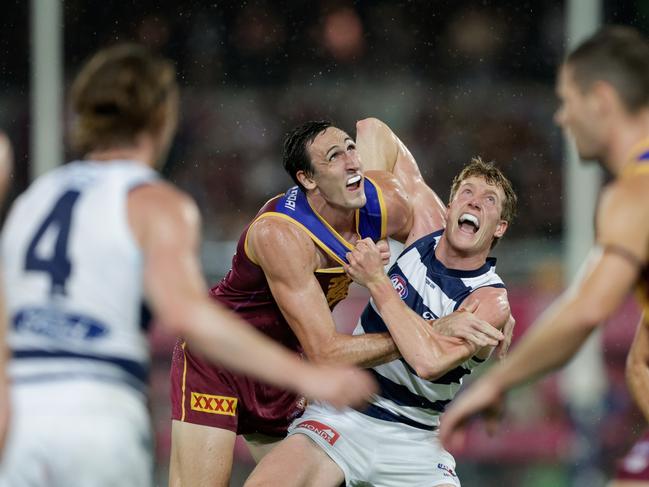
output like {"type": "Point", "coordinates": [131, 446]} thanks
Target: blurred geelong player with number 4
{"type": "Point", "coordinates": [82, 247]}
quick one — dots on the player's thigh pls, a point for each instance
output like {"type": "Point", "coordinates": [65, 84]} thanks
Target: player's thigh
{"type": "Point", "coordinates": [200, 455]}
{"type": "Point", "coordinates": [296, 462]}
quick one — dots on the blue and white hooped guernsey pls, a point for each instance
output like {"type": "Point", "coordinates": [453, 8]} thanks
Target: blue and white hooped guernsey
{"type": "Point", "coordinates": [432, 290]}
{"type": "Point", "coordinates": [73, 277]}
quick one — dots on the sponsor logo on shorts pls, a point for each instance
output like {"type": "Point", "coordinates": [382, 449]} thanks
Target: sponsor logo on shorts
{"type": "Point", "coordinates": [399, 283]}
{"type": "Point", "coordinates": [448, 471]}
{"type": "Point", "coordinates": [206, 403]}
{"type": "Point", "coordinates": [327, 433]}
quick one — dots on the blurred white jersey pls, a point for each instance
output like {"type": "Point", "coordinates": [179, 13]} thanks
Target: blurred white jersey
{"type": "Point", "coordinates": [73, 281]}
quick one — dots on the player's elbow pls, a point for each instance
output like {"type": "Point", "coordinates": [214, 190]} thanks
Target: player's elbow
{"type": "Point", "coordinates": [426, 368]}
{"type": "Point", "coordinates": [369, 125]}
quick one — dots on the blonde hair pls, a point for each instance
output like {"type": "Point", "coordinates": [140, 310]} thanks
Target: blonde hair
{"type": "Point", "coordinates": [121, 92]}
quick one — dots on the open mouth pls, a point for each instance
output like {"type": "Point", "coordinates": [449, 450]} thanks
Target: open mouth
{"type": "Point", "coordinates": [468, 223]}
{"type": "Point", "coordinates": [354, 182]}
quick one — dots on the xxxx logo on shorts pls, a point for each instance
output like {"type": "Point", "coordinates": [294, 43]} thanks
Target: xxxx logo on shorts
{"type": "Point", "coordinates": [207, 403]}
{"type": "Point", "coordinates": [327, 433]}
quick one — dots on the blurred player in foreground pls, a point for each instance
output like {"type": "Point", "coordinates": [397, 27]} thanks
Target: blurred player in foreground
{"type": "Point", "coordinates": [444, 267]}
{"type": "Point", "coordinates": [603, 86]}
{"type": "Point", "coordinates": [6, 165]}
{"type": "Point", "coordinates": [82, 248]}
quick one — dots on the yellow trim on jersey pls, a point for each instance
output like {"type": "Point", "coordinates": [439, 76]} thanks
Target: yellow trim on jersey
{"type": "Point", "coordinates": [330, 270]}
{"type": "Point", "coordinates": [182, 401]}
{"type": "Point", "coordinates": [299, 225]}
{"type": "Point", "coordinates": [638, 149]}
{"type": "Point", "coordinates": [336, 235]}
{"type": "Point", "coordinates": [245, 241]}
{"type": "Point", "coordinates": [633, 169]}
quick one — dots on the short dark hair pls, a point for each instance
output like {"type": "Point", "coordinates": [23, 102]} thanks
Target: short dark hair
{"type": "Point", "coordinates": [490, 173]}
{"type": "Point", "coordinates": [295, 156]}
{"type": "Point", "coordinates": [618, 55]}
{"type": "Point", "coordinates": [120, 92]}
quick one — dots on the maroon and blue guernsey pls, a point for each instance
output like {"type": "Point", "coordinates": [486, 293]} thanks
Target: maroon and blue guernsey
{"type": "Point", "coordinates": [209, 395]}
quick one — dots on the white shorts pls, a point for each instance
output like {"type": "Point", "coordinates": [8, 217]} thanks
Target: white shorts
{"type": "Point", "coordinates": [77, 433]}
{"type": "Point", "coordinates": [373, 452]}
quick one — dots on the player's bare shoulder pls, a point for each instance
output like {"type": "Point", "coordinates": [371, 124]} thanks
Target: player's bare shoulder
{"type": "Point", "coordinates": [161, 205]}
{"type": "Point", "coordinates": [275, 242]}
{"type": "Point", "coordinates": [622, 215]}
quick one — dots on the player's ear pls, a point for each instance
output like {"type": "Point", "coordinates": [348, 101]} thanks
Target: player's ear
{"type": "Point", "coordinates": [305, 180]}
{"type": "Point", "coordinates": [501, 228]}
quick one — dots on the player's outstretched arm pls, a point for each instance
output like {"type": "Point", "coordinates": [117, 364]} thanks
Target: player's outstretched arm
{"type": "Point", "coordinates": [611, 270]}
{"type": "Point", "coordinates": [166, 224]}
{"type": "Point", "coordinates": [288, 258]}
{"type": "Point", "coordinates": [6, 164]}
{"type": "Point", "coordinates": [429, 353]}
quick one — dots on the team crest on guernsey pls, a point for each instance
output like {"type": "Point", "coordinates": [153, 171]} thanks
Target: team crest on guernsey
{"type": "Point", "coordinates": [400, 285]}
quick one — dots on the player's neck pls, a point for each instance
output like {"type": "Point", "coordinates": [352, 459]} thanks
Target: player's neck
{"type": "Point", "coordinates": [142, 151]}
{"type": "Point", "coordinates": [457, 260]}
{"type": "Point", "coordinates": [629, 140]}
{"type": "Point", "coordinates": [342, 220]}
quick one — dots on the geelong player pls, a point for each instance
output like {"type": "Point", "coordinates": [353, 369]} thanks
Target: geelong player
{"type": "Point", "coordinates": [82, 248]}
{"type": "Point", "coordinates": [603, 87]}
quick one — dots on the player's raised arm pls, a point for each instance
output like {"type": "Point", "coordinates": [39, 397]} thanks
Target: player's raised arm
{"type": "Point", "coordinates": [381, 150]}
{"type": "Point", "coordinates": [166, 223]}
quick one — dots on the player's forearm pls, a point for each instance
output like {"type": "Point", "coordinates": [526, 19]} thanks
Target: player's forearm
{"type": "Point", "coordinates": [366, 350]}
{"type": "Point", "coordinates": [429, 354]}
{"type": "Point", "coordinates": [222, 337]}
{"type": "Point", "coordinates": [550, 344]}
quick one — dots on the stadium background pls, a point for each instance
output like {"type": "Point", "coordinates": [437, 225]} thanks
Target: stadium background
{"type": "Point", "coordinates": [453, 79]}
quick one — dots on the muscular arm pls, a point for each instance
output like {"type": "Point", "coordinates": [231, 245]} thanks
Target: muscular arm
{"type": "Point", "coordinates": [381, 150]}
{"type": "Point", "coordinates": [289, 257]}
{"type": "Point", "coordinates": [166, 225]}
{"type": "Point", "coordinates": [637, 367]}
{"type": "Point", "coordinates": [612, 269]}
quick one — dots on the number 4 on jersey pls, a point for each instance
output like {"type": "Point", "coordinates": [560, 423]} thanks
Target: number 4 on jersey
{"type": "Point", "coordinates": [57, 264]}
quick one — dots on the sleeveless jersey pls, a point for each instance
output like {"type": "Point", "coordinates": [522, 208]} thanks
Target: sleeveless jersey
{"type": "Point", "coordinates": [433, 291]}
{"type": "Point", "coordinates": [73, 276]}
{"type": "Point", "coordinates": [245, 290]}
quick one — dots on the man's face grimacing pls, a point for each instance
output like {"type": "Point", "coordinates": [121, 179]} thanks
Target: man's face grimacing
{"type": "Point", "coordinates": [474, 216]}
{"type": "Point", "coordinates": [336, 165]}
{"type": "Point", "coordinates": [580, 115]}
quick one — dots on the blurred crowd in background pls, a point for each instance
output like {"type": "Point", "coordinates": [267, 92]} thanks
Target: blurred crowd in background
{"type": "Point", "coordinates": [453, 79]}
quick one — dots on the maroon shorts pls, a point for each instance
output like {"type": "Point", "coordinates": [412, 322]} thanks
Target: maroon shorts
{"type": "Point", "coordinates": [205, 394]}
{"type": "Point", "coordinates": [635, 465]}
